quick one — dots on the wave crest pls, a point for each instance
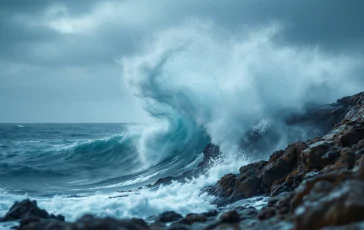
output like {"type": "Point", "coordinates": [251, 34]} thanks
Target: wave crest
{"type": "Point", "coordinates": [201, 81]}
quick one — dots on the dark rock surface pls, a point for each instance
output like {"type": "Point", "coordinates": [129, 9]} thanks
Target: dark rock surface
{"type": "Point", "coordinates": [169, 216]}
{"type": "Point", "coordinates": [28, 209]}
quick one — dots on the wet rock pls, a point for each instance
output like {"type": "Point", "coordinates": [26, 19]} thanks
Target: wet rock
{"type": "Point", "coordinates": [352, 137]}
{"type": "Point", "coordinates": [179, 226]}
{"type": "Point", "coordinates": [164, 180]}
{"type": "Point", "coordinates": [281, 163]}
{"type": "Point", "coordinates": [210, 154]}
{"type": "Point", "coordinates": [246, 188]}
{"type": "Point", "coordinates": [86, 223]}
{"type": "Point", "coordinates": [330, 205]}
{"type": "Point", "coordinates": [348, 157]}
{"type": "Point", "coordinates": [252, 170]}
{"type": "Point", "coordinates": [180, 178]}
{"type": "Point", "coordinates": [314, 156]}
{"type": "Point", "coordinates": [233, 187]}
{"type": "Point", "coordinates": [323, 117]}
{"type": "Point", "coordinates": [246, 213]}
{"type": "Point", "coordinates": [354, 226]}
{"type": "Point", "coordinates": [280, 205]}
{"type": "Point", "coordinates": [229, 217]}
{"type": "Point", "coordinates": [267, 213]}
{"type": "Point", "coordinates": [169, 216]}
{"type": "Point", "coordinates": [28, 208]}
{"type": "Point", "coordinates": [192, 218]}
{"type": "Point", "coordinates": [211, 213]}
{"type": "Point", "coordinates": [43, 225]}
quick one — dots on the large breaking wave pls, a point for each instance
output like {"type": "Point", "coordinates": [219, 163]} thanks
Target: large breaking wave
{"type": "Point", "coordinates": [205, 81]}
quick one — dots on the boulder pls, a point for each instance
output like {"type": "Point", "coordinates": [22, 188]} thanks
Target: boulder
{"type": "Point", "coordinates": [87, 222]}
{"type": "Point", "coordinates": [330, 205]}
{"type": "Point", "coordinates": [169, 216]}
{"type": "Point", "coordinates": [29, 209]}
{"type": "Point", "coordinates": [211, 154]}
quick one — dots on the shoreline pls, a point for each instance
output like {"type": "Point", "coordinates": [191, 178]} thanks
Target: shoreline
{"type": "Point", "coordinates": [313, 184]}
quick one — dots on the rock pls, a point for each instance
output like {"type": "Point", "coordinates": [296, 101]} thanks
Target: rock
{"type": "Point", "coordinates": [281, 163]}
{"type": "Point", "coordinates": [246, 213]}
{"type": "Point", "coordinates": [211, 213]}
{"type": "Point", "coordinates": [352, 137]}
{"type": "Point", "coordinates": [179, 226]}
{"type": "Point", "coordinates": [314, 156]}
{"type": "Point", "coordinates": [330, 205]}
{"type": "Point", "coordinates": [323, 116]}
{"type": "Point", "coordinates": [252, 170]}
{"type": "Point", "coordinates": [164, 180]}
{"type": "Point", "coordinates": [229, 217]}
{"type": "Point", "coordinates": [267, 213]}
{"type": "Point", "coordinates": [211, 153]}
{"type": "Point", "coordinates": [28, 208]}
{"type": "Point", "coordinates": [169, 216]}
{"type": "Point", "coordinates": [280, 205]}
{"type": "Point", "coordinates": [354, 226]}
{"type": "Point", "coordinates": [233, 187]}
{"type": "Point", "coordinates": [86, 223]}
{"type": "Point", "coordinates": [192, 218]}
{"type": "Point", "coordinates": [180, 178]}
{"type": "Point", "coordinates": [246, 188]}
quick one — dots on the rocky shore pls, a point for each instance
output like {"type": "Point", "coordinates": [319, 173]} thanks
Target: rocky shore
{"type": "Point", "coordinates": [315, 184]}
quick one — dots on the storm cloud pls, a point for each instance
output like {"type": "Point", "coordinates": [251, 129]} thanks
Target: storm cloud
{"type": "Point", "coordinates": [58, 58]}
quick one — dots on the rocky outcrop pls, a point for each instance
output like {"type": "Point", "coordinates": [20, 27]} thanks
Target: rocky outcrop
{"type": "Point", "coordinates": [233, 187]}
{"type": "Point", "coordinates": [28, 209]}
{"type": "Point", "coordinates": [87, 222]}
{"type": "Point", "coordinates": [311, 183]}
{"type": "Point", "coordinates": [211, 153]}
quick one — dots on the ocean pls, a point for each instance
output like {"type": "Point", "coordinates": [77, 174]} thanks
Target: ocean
{"type": "Point", "coordinates": [73, 169]}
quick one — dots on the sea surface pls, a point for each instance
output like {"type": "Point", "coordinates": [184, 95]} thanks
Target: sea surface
{"type": "Point", "coordinates": [73, 169]}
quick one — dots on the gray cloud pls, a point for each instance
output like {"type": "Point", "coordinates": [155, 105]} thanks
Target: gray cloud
{"type": "Point", "coordinates": [60, 55]}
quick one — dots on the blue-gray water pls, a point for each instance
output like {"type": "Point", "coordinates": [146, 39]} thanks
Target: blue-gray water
{"type": "Point", "coordinates": [54, 159]}
{"type": "Point", "coordinates": [73, 169]}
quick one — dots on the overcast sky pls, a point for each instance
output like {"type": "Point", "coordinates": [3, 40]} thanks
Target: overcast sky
{"type": "Point", "coordinates": [58, 58]}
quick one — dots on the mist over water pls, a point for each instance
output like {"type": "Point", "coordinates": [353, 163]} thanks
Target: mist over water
{"type": "Point", "coordinates": [198, 79]}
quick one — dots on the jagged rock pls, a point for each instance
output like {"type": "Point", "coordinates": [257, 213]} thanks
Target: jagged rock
{"type": "Point", "coordinates": [211, 213]}
{"type": "Point", "coordinates": [179, 226]}
{"type": "Point", "coordinates": [87, 222]}
{"type": "Point", "coordinates": [281, 163]}
{"type": "Point", "coordinates": [352, 137]}
{"type": "Point", "coordinates": [169, 216]}
{"type": "Point", "coordinates": [192, 218]}
{"type": "Point", "coordinates": [353, 226]}
{"type": "Point", "coordinates": [229, 217]}
{"type": "Point", "coordinates": [233, 187]}
{"type": "Point", "coordinates": [330, 205]}
{"type": "Point", "coordinates": [267, 213]}
{"type": "Point", "coordinates": [278, 205]}
{"type": "Point", "coordinates": [314, 156]}
{"type": "Point", "coordinates": [210, 154]}
{"type": "Point", "coordinates": [246, 213]}
{"type": "Point", "coordinates": [29, 209]}
{"type": "Point", "coordinates": [252, 170]}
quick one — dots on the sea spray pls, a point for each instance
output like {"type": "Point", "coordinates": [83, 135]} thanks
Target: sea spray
{"type": "Point", "coordinates": [206, 81]}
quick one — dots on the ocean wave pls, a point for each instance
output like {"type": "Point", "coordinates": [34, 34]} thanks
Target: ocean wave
{"type": "Point", "coordinates": [200, 80]}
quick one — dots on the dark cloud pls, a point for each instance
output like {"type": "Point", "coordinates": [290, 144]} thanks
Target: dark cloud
{"type": "Point", "coordinates": [64, 51]}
